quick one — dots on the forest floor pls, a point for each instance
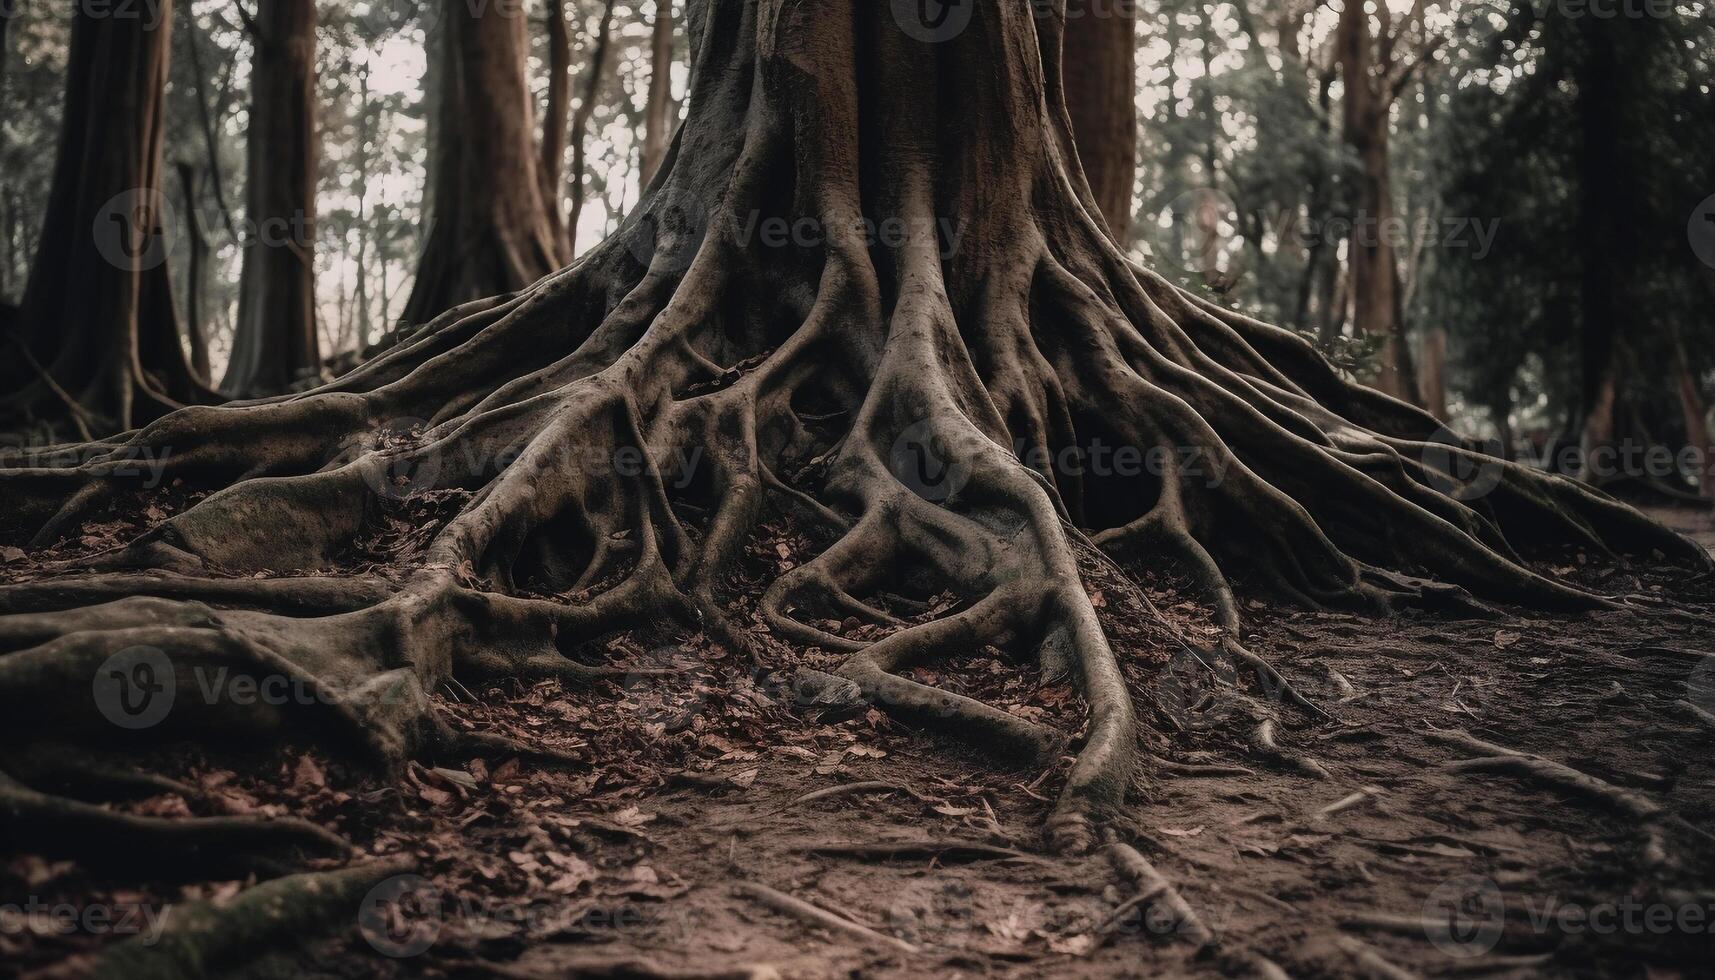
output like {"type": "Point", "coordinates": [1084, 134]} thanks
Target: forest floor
{"type": "Point", "coordinates": [638, 861]}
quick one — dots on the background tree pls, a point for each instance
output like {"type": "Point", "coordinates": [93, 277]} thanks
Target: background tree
{"type": "Point", "coordinates": [276, 345]}
{"type": "Point", "coordinates": [492, 232]}
{"type": "Point", "coordinates": [96, 336]}
{"type": "Point", "coordinates": [657, 116]}
{"type": "Point", "coordinates": [1101, 96]}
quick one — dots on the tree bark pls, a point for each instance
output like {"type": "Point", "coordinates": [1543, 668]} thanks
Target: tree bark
{"type": "Point", "coordinates": [1372, 267]}
{"type": "Point", "coordinates": [97, 319]}
{"type": "Point", "coordinates": [1432, 372]}
{"type": "Point", "coordinates": [1100, 71]}
{"type": "Point", "coordinates": [581, 119]}
{"type": "Point", "coordinates": [195, 333]}
{"type": "Point", "coordinates": [492, 232]}
{"type": "Point", "coordinates": [276, 345]}
{"type": "Point", "coordinates": [658, 114]}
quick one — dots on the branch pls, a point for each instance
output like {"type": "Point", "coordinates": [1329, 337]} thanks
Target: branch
{"type": "Point", "coordinates": [1424, 54]}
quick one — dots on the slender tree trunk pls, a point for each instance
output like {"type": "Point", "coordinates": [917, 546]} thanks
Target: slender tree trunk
{"type": "Point", "coordinates": [1600, 220]}
{"type": "Point", "coordinates": [205, 116]}
{"type": "Point", "coordinates": [491, 230]}
{"type": "Point", "coordinates": [97, 321]}
{"type": "Point", "coordinates": [276, 345]}
{"type": "Point", "coordinates": [1432, 372]}
{"type": "Point", "coordinates": [581, 119]}
{"type": "Point", "coordinates": [658, 115]}
{"type": "Point", "coordinates": [195, 334]}
{"type": "Point", "coordinates": [1697, 437]}
{"type": "Point", "coordinates": [1373, 271]}
{"type": "Point", "coordinates": [556, 121]}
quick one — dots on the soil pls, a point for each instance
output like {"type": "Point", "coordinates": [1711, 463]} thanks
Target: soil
{"type": "Point", "coordinates": [689, 782]}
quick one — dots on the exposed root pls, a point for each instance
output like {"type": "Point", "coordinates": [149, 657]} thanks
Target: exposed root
{"type": "Point", "coordinates": [947, 851]}
{"type": "Point", "coordinates": [813, 915]}
{"type": "Point", "coordinates": [206, 939]}
{"type": "Point", "coordinates": [1174, 914]}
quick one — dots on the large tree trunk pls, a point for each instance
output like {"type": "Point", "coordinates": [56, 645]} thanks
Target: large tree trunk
{"type": "Point", "coordinates": [1373, 267]}
{"type": "Point", "coordinates": [1696, 416]}
{"type": "Point", "coordinates": [276, 346]}
{"type": "Point", "coordinates": [97, 321]}
{"type": "Point", "coordinates": [1101, 96]}
{"type": "Point", "coordinates": [917, 360]}
{"type": "Point", "coordinates": [493, 232]}
{"type": "Point", "coordinates": [658, 113]}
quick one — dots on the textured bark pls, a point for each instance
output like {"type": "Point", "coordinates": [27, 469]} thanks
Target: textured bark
{"type": "Point", "coordinates": [899, 398]}
{"type": "Point", "coordinates": [275, 345]}
{"type": "Point", "coordinates": [658, 113]}
{"type": "Point", "coordinates": [198, 245]}
{"type": "Point", "coordinates": [1101, 96]}
{"type": "Point", "coordinates": [97, 318]}
{"type": "Point", "coordinates": [492, 231]}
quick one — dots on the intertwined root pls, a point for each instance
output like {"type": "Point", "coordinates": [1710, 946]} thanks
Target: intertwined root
{"type": "Point", "coordinates": [528, 473]}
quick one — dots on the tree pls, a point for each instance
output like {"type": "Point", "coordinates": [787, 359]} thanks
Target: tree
{"type": "Point", "coordinates": [1374, 70]}
{"type": "Point", "coordinates": [919, 364]}
{"type": "Point", "coordinates": [276, 345]}
{"type": "Point", "coordinates": [1101, 97]}
{"type": "Point", "coordinates": [492, 231]}
{"type": "Point", "coordinates": [555, 121]}
{"type": "Point", "coordinates": [657, 115]}
{"type": "Point", "coordinates": [96, 336]}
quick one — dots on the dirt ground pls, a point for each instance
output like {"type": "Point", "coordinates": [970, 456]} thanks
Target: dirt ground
{"type": "Point", "coordinates": [1374, 849]}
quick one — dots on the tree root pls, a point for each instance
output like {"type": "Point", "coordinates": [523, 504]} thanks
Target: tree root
{"type": "Point", "coordinates": [205, 939]}
{"type": "Point", "coordinates": [812, 915]}
{"type": "Point", "coordinates": [1175, 915]}
{"type": "Point", "coordinates": [943, 850]}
